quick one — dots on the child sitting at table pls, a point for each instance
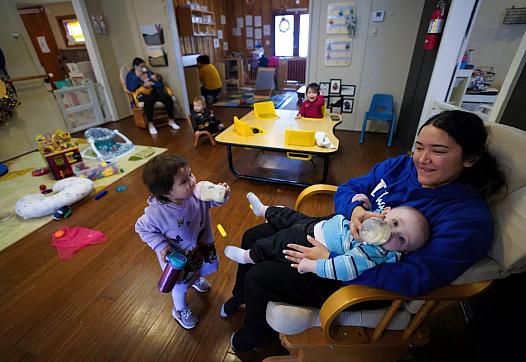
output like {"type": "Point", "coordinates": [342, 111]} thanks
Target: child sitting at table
{"type": "Point", "coordinates": [204, 119]}
{"type": "Point", "coordinates": [313, 105]}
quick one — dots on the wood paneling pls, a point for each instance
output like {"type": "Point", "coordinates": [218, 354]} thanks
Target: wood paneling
{"type": "Point", "coordinates": [263, 8]}
{"type": "Point", "coordinates": [204, 45]}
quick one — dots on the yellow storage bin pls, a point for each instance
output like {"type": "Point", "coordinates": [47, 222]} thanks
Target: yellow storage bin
{"type": "Point", "coordinates": [295, 137]}
{"type": "Point", "coordinates": [265, 110]}
{"type": "Point", "coordinates": [244, 129]}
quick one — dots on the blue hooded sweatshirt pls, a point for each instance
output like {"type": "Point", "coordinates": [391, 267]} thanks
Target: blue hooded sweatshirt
{"type": "Point", "coordinates": [460, 220]}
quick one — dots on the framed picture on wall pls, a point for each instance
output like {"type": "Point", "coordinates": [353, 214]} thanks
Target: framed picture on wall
{"type": "Point", "coordinates": [324, 88]}
{"type": "Point", "coordinates": [348, 90]}
{"type": "Point", "coordinates": [335, 101]}
{"type": "Point", "coordinates": [336, 110]}
{"type": "Point", "coordinates": [347, 105]}
{"type": "Point", "coordinates": [336, 85]}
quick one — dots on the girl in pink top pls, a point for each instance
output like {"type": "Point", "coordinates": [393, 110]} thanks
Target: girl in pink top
{"type": "Point", "coordinates": [312, 106]}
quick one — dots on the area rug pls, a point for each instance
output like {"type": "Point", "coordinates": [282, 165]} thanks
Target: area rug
{"type": "Point", "coordinates": [248, 100]}
{"type": "Point", "coordinates": [19, 182]}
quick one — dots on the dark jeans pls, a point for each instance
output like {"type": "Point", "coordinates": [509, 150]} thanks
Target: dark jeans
{"type": "Point", "coordinates": [271, 280]}
{"type": "Point", "coordinates": [292, 226]}
{"type": "Point", "coordinates": [157, 96]}
{"type": "Point", "coordinates": [210, 92]}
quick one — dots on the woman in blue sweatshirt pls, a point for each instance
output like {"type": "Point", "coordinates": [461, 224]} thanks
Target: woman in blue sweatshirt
{"type": "Point", "coordinates": [447, 178]}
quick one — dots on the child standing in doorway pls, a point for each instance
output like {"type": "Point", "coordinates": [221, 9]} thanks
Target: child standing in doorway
{"type": "Point", "coordinates": [312, 107]}
{"type": "Point", "coordinates": [176, 219]}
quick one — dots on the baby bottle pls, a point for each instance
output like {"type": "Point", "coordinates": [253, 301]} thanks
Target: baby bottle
{"type": "Point", "coordinates": [176, 263]}
{"type": "Point", "coordinates": [207, 191]}
{"type": "Point", "coordinates": [375, 231]}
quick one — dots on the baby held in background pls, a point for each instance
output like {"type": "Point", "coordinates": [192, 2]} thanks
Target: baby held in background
{"type": "Point", "coordinates": [312, 107]}
{"type": "Point", "coordinates": [408, 230]}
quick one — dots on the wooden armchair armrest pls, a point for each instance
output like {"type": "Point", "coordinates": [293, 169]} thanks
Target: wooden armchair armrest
{"type": "Point", "coordinates": [354, 294]}
{"type": "Point", "coordinates": [313, 190]}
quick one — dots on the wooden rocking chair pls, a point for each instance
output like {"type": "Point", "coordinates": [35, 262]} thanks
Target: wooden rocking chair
{"type": "Point", "coordinates": [335, 342]}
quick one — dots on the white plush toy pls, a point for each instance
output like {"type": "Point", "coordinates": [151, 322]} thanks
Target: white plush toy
{"type": "Point", "coordinates": [66, 192]}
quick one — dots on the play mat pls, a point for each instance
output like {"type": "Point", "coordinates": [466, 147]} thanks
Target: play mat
{"type": "Point", "coordinates": [19, 182]}
{"type": "Point", "coordinates": [248, 100]}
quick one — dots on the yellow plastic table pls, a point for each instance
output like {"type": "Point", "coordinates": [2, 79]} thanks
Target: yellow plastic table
{"type": "Point", "coordinates": [273, 139]}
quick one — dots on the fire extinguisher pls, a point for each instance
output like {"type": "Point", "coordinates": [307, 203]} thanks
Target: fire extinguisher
{"type": "Point", "coordinates": [436, 26]}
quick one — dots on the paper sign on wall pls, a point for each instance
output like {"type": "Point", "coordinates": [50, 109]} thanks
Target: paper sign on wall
{"type": "Point", "coordinates": [257, 33]}
{"type": "Point", "coordinates": [44, 48]}
{"type": "Point", "coordinates": [239, 22]}
{"type": "Point", "coordinates": [216, 43]}
{"type": "Point", "coordinates": [266, 30]}
{"type": "Point", "coordinates": [338, 51]}
{"type": "Point", "coordinates": [225, 46]}
{"type": "Point", "coordinates": [220, 34]}
{"type": "Point", "coordinates": [222, 19]}
{"type": "Point", "coordinates": [250, 44]}
{"type": "Point", "coordinates": [257, 20]}
{"type": "Point", "coordinates": [248, 20]}
{"type": "Point", "coordinates": [249, 32]}
{"type": "Point", "coordinates": [236, 32]}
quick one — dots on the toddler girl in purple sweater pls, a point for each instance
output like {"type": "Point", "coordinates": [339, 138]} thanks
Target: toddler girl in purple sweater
{"type": "Point", "coordinates": [176, 219]}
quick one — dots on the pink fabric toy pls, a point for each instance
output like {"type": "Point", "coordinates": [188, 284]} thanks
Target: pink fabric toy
{"type": "Point", "coordinates": [70, 240]}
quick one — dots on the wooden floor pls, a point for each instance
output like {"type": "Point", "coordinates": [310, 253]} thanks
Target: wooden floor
{"type": "Point", "coordinates": [103, 303]}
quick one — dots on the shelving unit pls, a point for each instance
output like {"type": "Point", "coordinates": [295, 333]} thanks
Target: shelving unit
{"type": "Point", "coordinates": [234, 74]}
{"type": "Point", "coordinates": [195, 22]}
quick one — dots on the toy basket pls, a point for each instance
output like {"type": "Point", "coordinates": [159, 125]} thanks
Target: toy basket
{"type": "Point", "coordinates": [101, 170]}
{"type": "Point", "coordinates": [103, 144]}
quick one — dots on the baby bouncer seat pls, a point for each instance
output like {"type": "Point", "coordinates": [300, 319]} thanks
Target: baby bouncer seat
{"type": "Point", "coordinates": [104, 146]}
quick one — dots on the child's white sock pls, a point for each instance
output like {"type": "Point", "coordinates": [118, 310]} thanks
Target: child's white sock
{"type": "Point", "coordinates": [172, 124]}
{"type": "Point", "coordinates": [257, 206]}
{"type": "Point", "coordinates": [241, 256]}
{"type": "Point", "coordinates": [152, 128]}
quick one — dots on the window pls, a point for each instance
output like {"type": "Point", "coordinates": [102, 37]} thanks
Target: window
{"type": "Point", "coordinates": [71, 31]}
{"type": "Point", "coordinates": [291, 34]}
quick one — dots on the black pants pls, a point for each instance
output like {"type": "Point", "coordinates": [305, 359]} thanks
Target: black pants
{"type": "Point", "coordinates": [271, 280]}
{"type": "Point", "coordinates": [292, 226]}
{"type": "Point", "coordinates": [157, 96]}
{"type": "Point", "coordinates": [210, 92]}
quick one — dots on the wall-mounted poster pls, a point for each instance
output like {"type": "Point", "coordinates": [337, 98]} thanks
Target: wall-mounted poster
{"type": "Point", "coordinates": [324, 88]}
{"type": "Point", "coordinates": [152, 34]}
{"type": "Point", "coordinates": [157, 56]}
{"type": "Point", "coordinates": [338, 51]}
{"type": "Point", "coordinates": [340, 18]}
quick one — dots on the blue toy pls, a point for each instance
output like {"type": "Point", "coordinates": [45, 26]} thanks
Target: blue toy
{"type": "Point", "coordinates": [101, 194]}
{"type": "Point", "coordinates": [3, 169]}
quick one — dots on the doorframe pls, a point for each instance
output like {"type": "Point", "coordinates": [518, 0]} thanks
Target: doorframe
{"type": "Point", "coordinates": [81, 11]}
{"type": "Point", "coordinates": [514, 72]}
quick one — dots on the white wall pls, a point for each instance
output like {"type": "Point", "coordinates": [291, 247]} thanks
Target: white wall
{"type": "Point", "coordinates": [124, 18]}
{"type": "Point", "coordinates": [38, 112]}
{"type": "Point", "coordinates": [380, 62]}
{"type": "Point", "coordinates": [495, 43]}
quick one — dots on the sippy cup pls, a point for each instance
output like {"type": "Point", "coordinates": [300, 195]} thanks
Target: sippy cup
{"type": "Point", "coordinates": [375, 231]}
{"type": "Point", "coordinates": [207, 191]}
{"type": "Point", "coordinates": [176, 263]}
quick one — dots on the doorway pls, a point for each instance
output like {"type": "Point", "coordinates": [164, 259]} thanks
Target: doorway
{"type": "Point", "coordinates": [60, 46]}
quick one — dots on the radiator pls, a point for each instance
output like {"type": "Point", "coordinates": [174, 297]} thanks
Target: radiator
{"type": "Point", "coordinates": [296, 68]}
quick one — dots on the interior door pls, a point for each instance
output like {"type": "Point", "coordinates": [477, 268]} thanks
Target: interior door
{"type": "Point", "coordinates": [41, 35]}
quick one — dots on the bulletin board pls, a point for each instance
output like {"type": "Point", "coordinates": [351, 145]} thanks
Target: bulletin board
{"type": "Point", "coordinates": [338, 51]}
{"type": "Point", "coordinates": [340, 18]}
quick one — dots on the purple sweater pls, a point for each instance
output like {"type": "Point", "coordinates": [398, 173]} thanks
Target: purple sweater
{"type": "Point", "coordinates": [179, 226]}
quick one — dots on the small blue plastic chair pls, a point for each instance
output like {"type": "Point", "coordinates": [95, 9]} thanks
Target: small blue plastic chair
{"type": "Point", "coordinates": [381, 109]}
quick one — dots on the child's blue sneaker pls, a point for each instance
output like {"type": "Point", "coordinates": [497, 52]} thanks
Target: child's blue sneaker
{"type": "Point", "coordinates": [186, 318]}
{"type": "Point", "coordinates": [202, 285]}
